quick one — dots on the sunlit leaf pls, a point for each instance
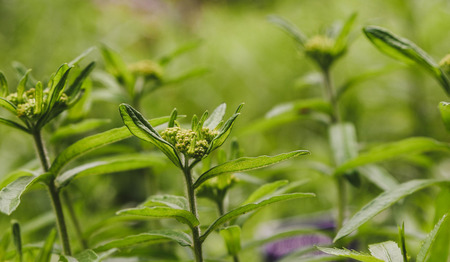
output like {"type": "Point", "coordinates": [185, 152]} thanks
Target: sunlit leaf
{"type": "Point", "coordinates": [142, 129]}
{"type": "Point", "coordinates": [349, 254]}
{"type": "Point", "coordinates": [216, 116]}
{"type": "Point", "coordinates": [386, 251]}
{"type": "Point", "coordinates": [11, 194]}
{"type": "Point", "coordinates": [393, 150]}
{"type": "Point", "coordinates": [156, 236]}
{"type": "Point", "coordinates": [383, 201]}
{"type": "Point", "coordinates": [290, 29]}
{"type": "Point", "coordinates": [245, 164]}
{"type": "Point", "coordinates": [248, 208]}
{"type": "Point", "coordinates": [378, 176]}
{"type": "Point", "coordinates": [426, 248]}
{"type": "Point", "coordinates": [177, 202]}
{"type": "Point", "coordinates": [183, 216]}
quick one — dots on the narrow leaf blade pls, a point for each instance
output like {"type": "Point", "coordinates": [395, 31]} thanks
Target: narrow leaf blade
{"type": "Point", "coordinates": [183, 216]}
{"type": "Point", "coordinates": [426, 248]}
{"type": "Point", "coordinates": [349, 254]}
{"type": "Point", "coordinates": [46, 251]}
{"type": "Point", "coordinates": [216, 116]}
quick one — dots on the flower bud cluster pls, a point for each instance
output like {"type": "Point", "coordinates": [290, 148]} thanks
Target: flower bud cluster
{"type": "Point", "coordinates": [146, 68]}
{"type": "Point", "coordinates": [26, 106]}
{"type": "Point", "coordinates": [323, 50]}
{"type": "Point", "coordinates": [191, 143]}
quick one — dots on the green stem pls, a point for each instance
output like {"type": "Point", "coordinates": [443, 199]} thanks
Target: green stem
{"type": "Point", "coordinates": [331, 95]}
{"type": "Point", "coordinates": [54, 193]}
{"type": "Point", "coordinates": [74, 219]}
{"type": "Point", "coordinates": [342, 200]}
{"type": "Point", "coordinates": [193, 207]}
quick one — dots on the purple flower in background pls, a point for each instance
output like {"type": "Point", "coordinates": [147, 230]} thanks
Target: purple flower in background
{"type": "Point", "coordinates": [276, 250]}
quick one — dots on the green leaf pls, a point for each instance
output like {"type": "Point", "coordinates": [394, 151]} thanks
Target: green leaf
{"type": "Point", "coordinates": [179, 51]}
{"type": "Point", "coordinates": [14, 125]}
{"type": "Point", "coordinates": [21, 70]}
{"type": "Point", "coordinates": [173, 117]}
{"type": "Point", "coordinates": [426, 248]}
{"type": "Point", "coordinates": [8, 105]}
{"type": "Point", "coordinates": [87, 256]}
{"type": "Point", "coordinates": [57, 85]}
{"type": "Point", "coordinates": [39, 98]}
{"type": "Point", "coordinates": [21, 86]}
{"type": "Point", "coordinates": [79, 128]}
{"type": "Point", "coordinates": [441, 246]}
{"type": "Point", "coordinates": [250, 207]}
{"type": "Point", "coordinates": [63, 258]}
{"type": "Point", "coordinates": [90, 143]}
{"type": "Point", "coordinates": [17, 237]}
{"type": "Point", "coordinates": [142, 129]}
{"type": "Point", "coordinates": [290, 29]}
{"type": "Point", "coordinates": [81, 56]}
{"type": "Point", "coordinates": [117, 67]}
{"type": "Point", "coordinates": [232, 237]}
{"type": "Point", "coordinates": [216, 117]}
{"type": "Point", "coordinates": [224, 131]}
{"type": "Point", "coordinates": [386, 251]}
{"type": "Point", "coordinates": [75, 87]}
{"type": "Point", "coordinates": [3, 85]}
{"type": "Point", "coordinates": [114, 165]}
{"type": "Point", "coordinates": [246, 163]}
{"type": "Point", "coordinates": [182, 216]}
{"type": "Point", "coordinates": [299, 107]}
{"type": "Point", "coordinates": [10, 195]}
{"type": "Point", "coordinates": [405, 50]}
{"type": "Point", "coordinates": [343, 142]}
{"type": "Point", "coordinates": [349, 254]}
{"type": "Point", "coordinates": [341, 40]}
{"type": "Point", "coordinates": [264, 190]}
{"type": "Point", "coordinates": [156, 236]}
{"type": "Point", "coordinates": [401, 233]}
{"type": "Point", "coordinates": [393, 150]}
{"type": "Point", "coordinates": [196, 72]}
{"type": "Point", "coordinates": [46, 251]}
{"type": "Point", "coordinates": [444, 107]}
{"type": "Point", "coordinates": [383, 201]}
{"type": "Point", "coordinates": [378, 176]}
{"type": "Point", "coordinates": [4, 244]}
{"type": "Point", "coordinates": [176, 202]}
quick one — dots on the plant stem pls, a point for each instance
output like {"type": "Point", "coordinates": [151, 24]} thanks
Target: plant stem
{"type": "Point", "coordinates": [331, 95]}
{"type": "Point", "coordinates": [342, 200]}
{"type": "Point", "coordinates": [54, 193]}
{"type": "Point", "coordinates": [193, 207]}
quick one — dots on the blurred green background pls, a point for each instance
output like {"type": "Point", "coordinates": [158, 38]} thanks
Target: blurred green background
{"type": "Point", "coordinates": [248, 60]}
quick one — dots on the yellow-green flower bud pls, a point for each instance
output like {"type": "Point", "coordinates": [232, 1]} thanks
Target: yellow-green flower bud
{"type": "Point", "coordinates": [147, 68]}
{"type": "Point", "coordinates": [13, 98]}
{"type": "Point", "coordinates": [322, 49]}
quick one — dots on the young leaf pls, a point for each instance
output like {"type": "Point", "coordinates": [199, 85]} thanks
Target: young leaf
{"type": "Point", "coordinates": [14, 125]}
{"type": "Point", "coordinates": [250, 207]}
{"type": "Point", "coordinates": [183, 216]}
{"type": "Point", "coordinates": [57, 85]}
{"type": "Point", "coordinates": [17, 237]}
{"type": "Point", "coordinates": [84, 126]}
{"type": "Point", "coordinates": [46, 251]}
{"type": "Point", "coordinates": [39, 98]}
{"type": "Point", "coordinates": [425, 249]}
{"type": "Point", "coordinates": [401, 232]}
{"type": "Point", "coordinates": [10, 195]}
{"type": "Point", "coordinates": [21, 86]}
{"type": "Point", "coordinates": [117, 67]}
{"type": "Point", "coordinates": [75, 87]}
{"type": "Point", "coordinates": [245, 164]}
{"type": "Point", "coordinates": [3, 85]}
{"type": "Point", "coordinates": [405, 50]}
{"type": "Point", "coordinates": [349, 254]}
{"type": "Point", "coordinates": [387, 251]}
{"type": "Point", "coordinates": [114, 165]}
{"type": "Point", "coordinates": [383, 201]}
{"type": "Point", "coordinates": [176, 202]}
{"type": "Point", "coordinates": [392, 150]}
{"type": "Point", "coordinates": [444, 107]}
{"type": "Point", "coordinates": [173, 117]}
{"type": "Point", "coordinates": [224, 131]}
{"type": "Point", "coordinates": [341, 40]}
{"type": "Point", "coordinates": [378, 176]}
{"type": "Point", "coordinates": [290, 29]}
{"type": "Point", "coordinates": [264, 190]}
{"type": "Point", "coordinates": [156, 236]}
{"type": "Point", "coordinates": [232, 237]}
{"type": "Point", "coordinates": [81, 57]}
{"type": "Point", "coordinates": [87, 256]}
{"type": "Point", "coordinates": [90, 143]}
{"type": "Point", "coordinates": [8, 105]}
{"type": "Point", "coordinates": [142, 129]}
{"type": "Point", "coordinates": [216, 116]}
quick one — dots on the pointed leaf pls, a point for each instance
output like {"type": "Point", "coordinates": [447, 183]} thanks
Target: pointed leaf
{"type": "Point", "coordinates": [57, 85]}
{"type": "Point", "coordinates": [17, 237]}
{"type": "Point", "coordinates": [84, 126]}
{"type": "Point", "coordinates": [405, 50]}
{"type": "Point", "coordinates": [250, 207]}
{"type": "Point", "coordinates": [179, 51]}
{"type": "Point", "coordinates": [425, 249]}
{"type": "Point", "coordinates": [245, 164]}
{"type": "Point", "coordinates": [401, 232]}
{"type": "Point", "coordinates": [173, 117]}
{"type": "Point", "coordinates": [81, 57]}
{"type": "Point", "coordinates": [39, 98]}
{"type": "Point", "coordinates": [378, 176]}
{"type": "Point", "coordinates": [8, 105]}
{"type": "Point", "coordinates": [117, 67]}
{"type": "Point", "coordinates": [75, 87]}
{"type": "Point", "coordinates": [444, 107]}
{"type": "Point", "coordinates": [142, 129]}
{"type": "Point", "coordinates": [440, 248]}
{"type": "Point", "coordinates": [386, 251]}
{"type": "Point", "coordinates": [224, 131]}
{"type": "Point", "coordinates": [341, 40]}
{"type": "Point", "coordinates": [216, 116]}
{"type": "Point", "coordinates": [156, 236]}
{"type": "Point", "coordinates": [303, 106]}
{"type": "Point", "coordinates": [176, 202]}
{"type": "Point", "coordinates": [290, 29]}
{"type": "Point", "coordinates": [21, 86]}
{"type": "Point", "coordinates": [349, 254]}
{"type": "Point", "coordinates": [87, 256]}
{"type": "Point", "coordinates": [90, 143]}
{"type": "Point", "coordinates": [264, 190]}
{"type": "Point", "coordinates": [383, 201]}
{"type": "Point", "coordinates": [182, 216]}
{"type": "Point", "coordinates": [114, 165]}
{"type": "Point", "coordinates": [393, 150]}
{"type": "Point", "coordinates": [3, 85]}
{"type": "Point", "coordinates": [10, 195]}
{"type": "Point", "coordinates": [14, 125]}
{"type": "Point", "coordinates": [46, 251]}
